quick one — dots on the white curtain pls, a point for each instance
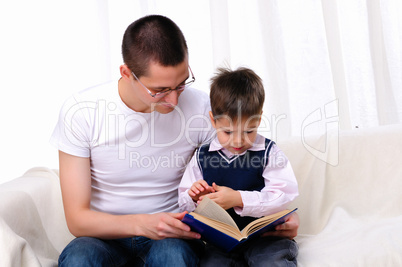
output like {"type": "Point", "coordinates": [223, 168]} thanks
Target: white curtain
{"type": "Point", "coordinates": [325, 64]}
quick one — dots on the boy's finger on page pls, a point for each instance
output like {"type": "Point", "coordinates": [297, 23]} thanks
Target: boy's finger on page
{"type": "Point", "coordinates": [204, 184]}
{"type": "Point", "coordinates": [200, 187]}
{"type": "Point", "coordinates": [197, 189]}
{"type": "Point", "coordinates": [193, 192]}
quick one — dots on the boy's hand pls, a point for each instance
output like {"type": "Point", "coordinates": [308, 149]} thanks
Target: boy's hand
{"type": "Point", "coordinates": [225, 197]}
{"type": "Point", "coordinates": [199, 189]}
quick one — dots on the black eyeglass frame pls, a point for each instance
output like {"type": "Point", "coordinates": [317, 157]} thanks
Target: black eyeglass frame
{"type": "Point", "coordinates": [168, 91]}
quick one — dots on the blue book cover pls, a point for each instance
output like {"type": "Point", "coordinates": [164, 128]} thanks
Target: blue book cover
{"type": "Point", "coordinates": [201, 223]}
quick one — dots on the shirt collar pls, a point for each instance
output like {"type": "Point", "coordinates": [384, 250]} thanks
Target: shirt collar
{"type": "Point", "coordinates": [258, 145]}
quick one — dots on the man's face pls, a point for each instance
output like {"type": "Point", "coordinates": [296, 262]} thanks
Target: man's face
{"type": "Point", "coordinates": [159, 79]}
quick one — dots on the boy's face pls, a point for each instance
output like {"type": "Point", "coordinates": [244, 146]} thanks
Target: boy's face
{"type": "Point", "coordinates": [236, 136]}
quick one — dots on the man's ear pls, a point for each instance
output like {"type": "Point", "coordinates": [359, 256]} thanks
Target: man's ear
{"type": "Point", "coordinates": [211, 117]}
{"type": "Point", "coordinates": [125, 72]}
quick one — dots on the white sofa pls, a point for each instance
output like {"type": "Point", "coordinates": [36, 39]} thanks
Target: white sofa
{"type": "Point", "coordinates": [350, 203]}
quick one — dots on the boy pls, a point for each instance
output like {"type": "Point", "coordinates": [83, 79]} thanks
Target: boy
{"type": "Point", "coordinates": [243, 172]}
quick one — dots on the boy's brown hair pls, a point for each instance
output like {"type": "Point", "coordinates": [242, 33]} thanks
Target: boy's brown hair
{"type": "Point", "coordinates": [236, 93]}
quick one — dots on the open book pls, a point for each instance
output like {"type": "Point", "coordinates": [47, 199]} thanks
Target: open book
{"type": "Point", "coordinates": [217, 227]}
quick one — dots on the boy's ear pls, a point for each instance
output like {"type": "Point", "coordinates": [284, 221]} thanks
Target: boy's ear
{"type": "Point", "coordinates": [259, 121]}
{"type": "Point", "coordinates": [211, 117]}
{"type": "Point", "coordinates": [125, 72]}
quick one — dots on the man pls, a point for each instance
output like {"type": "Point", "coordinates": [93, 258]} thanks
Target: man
{"type": "Point", "coordinates": [122, 150]}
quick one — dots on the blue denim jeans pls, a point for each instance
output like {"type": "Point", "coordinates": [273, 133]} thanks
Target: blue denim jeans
{"type": "Point", "coordinates": [136, 251]}
{"type": "Point", "coordinates": [265, 251]}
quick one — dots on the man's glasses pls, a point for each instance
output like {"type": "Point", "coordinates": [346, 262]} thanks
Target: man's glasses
{"type": "Point", "coordinates": [164, 93]}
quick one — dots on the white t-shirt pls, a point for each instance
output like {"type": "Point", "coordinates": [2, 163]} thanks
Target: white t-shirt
{"type": "Point", "coordinates": [137, 159]}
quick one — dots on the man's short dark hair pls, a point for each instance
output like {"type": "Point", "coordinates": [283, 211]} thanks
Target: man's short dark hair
{"type": "Point", "coordinates": [153, 38]}
{"type": "Point", "coordinates": [238, 93]}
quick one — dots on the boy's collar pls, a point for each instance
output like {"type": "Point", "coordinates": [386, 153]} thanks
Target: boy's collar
{"type": "Point", "coordinates": [258, 145]}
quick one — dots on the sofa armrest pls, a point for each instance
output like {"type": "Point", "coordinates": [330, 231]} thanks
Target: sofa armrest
{"type": "Point", "coordinates": [33, 229]}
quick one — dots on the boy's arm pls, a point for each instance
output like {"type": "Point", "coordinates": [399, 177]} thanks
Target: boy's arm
{"type": "Point", "coordinates": [75, 181]}
{"type": "Point", "coordinates": [280, 188]}
{"type": "Point", "coordinates": [191, 175]}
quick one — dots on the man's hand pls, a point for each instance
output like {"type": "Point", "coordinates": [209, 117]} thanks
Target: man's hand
{"type": "Point", "coordinates": [288, 229]}
{"type": "Point", "coordinates": [225, 197]}
{"type": "Point", "coordinates": [198, 189]}
{"type": "Point", "coordinates": [165, 225]}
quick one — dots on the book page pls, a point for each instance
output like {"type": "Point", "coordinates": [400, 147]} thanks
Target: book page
{"type": "Point", "coordinates": [262, 222]}
{"type": "Point", "coordinates": [210, 209]}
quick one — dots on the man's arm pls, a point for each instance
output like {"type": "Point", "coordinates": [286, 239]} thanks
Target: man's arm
{"type": "Point", "coordinates": [75, 181]}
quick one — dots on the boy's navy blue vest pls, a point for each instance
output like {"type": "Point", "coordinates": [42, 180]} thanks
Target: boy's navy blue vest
{"type": "Point", "coordinates": [240, 172]}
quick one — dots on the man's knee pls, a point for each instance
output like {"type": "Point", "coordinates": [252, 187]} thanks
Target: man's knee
{"type": "Point", "coordinates": [85, 251]}
{"type": "Point", "coordinates": [175, 252]}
